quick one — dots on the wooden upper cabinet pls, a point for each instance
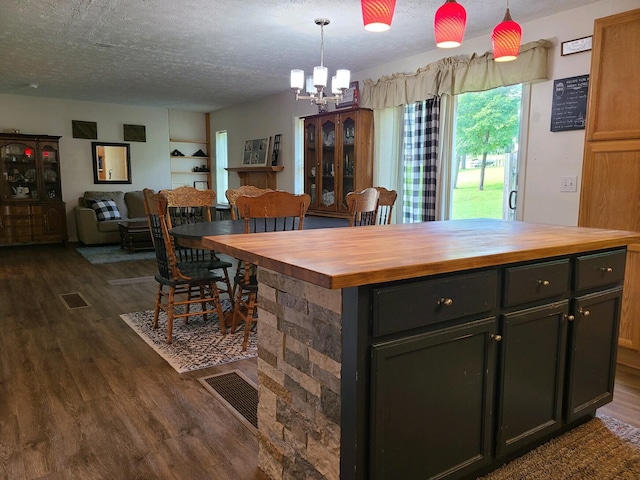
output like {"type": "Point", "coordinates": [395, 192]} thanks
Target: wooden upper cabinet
{"type": "Point", "coordinates": [610, 193]}
{"type": "Point", "coordinates": [614, 98]}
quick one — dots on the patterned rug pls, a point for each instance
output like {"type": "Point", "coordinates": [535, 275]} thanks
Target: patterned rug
{"type": "Point", "coordinates": [196, 345]}
{"type": "Point", "coordinates": [601, 449]}
{"type": "Point", "coordinates": [113, 253]}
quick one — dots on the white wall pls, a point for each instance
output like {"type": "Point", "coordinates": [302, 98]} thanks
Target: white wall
{"type": "Point", "coordinates": [549, 155]}
{"type": "Point", "coordinates": [149, 160]}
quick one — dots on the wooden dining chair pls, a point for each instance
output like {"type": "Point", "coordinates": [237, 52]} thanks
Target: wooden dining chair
{"type": "Point", "coordinates": [272, 211]}
{"type": "Point", "coordinates": [232, 195]}
{"type": "Point", "coordinates": [386, 201]}
{"type": "Point", "coordinates": [190, 205]}
{"type": "Point", "coordinates": [186, 283]}
{"type": "Point", "coordinates": [363, 207]}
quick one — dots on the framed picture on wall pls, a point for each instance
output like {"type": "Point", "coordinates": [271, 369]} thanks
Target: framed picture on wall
{"type": "Point", "coordinates": [256, 152]}
{"type": "Point", "coordinates": [201, 185]}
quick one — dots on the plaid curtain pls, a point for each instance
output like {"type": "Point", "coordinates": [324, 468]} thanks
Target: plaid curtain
{"type": "Point", "coordinates": [421, 134]}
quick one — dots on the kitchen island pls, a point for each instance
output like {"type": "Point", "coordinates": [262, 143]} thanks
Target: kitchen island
{"type": "Point", "coordinates": [432, 350]}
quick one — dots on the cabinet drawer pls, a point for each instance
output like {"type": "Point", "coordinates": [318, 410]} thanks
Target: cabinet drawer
{"type": "Point", "coordinates": [20, 210]}
{"type": "Point", "coordinates": [18, 221]}
{"type": "Point", "coordinates": [538, 281]}
{"type": "Point", "coordinates": [403, 307]}
{"type": "Point", "coordinates": [600, 269]}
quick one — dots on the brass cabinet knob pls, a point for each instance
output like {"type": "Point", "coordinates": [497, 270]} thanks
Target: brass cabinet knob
{"type": "Point", "coordinates": [544, 283]}
{"type": "Point", "coordinates": [496, 337]}
{"type": "Point", "coordinates": [570, 318]}
{"type": "Point", "coordinates": [606, 269]}
{"type": "Point", "coordinates": [584, 312]}
{"type": "Point", "coordinates": [445, 301]}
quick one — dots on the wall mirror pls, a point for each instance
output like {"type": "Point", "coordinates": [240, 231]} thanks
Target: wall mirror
{"type": "Point", "coordinates": [111, 162]}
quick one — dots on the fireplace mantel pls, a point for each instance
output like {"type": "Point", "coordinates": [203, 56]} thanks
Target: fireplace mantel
{"type": "Point", "coordinates": [261, 177]}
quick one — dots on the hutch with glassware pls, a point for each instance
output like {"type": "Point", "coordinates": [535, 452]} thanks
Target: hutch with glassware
{"type": "Point", "coordinates": [31, 206]}
{"type": "Point", "coordinates": [338, 158]}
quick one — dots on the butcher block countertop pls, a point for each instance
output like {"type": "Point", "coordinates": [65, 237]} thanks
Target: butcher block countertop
{"type": "Point", "coordinates": [349, 257]}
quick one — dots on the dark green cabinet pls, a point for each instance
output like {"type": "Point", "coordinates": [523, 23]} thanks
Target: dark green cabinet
{"type": "Point", "coordinates": [592, 357]}
{"type": "Point", "coordinates": [531, 375]}
{"type": "Point", "coordinates": [465, 370]}
{"type": "Point", "coordinates": [432, 397]}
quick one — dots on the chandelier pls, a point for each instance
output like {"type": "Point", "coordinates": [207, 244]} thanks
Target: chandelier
{"type": "Point", "coordinates": [316, 83]}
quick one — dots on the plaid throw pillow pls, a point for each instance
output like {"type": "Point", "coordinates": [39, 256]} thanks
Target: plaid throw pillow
{"type": "Point", "coordinates": [105, 209]}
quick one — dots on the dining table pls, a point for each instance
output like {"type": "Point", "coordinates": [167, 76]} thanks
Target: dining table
{"type": "Point", "coordinates": [190, 235]}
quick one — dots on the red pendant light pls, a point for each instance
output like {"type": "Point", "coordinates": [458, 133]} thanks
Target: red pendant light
{"type": "Point", "coordinates": [377, 14]}
{"type": "Point", "coordinates": [449, 24]}
{"type": "Point", "coordinates": [506, 39]}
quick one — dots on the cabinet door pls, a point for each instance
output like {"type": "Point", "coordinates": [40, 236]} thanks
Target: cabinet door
{"type": "Point", "coordinates": [614, 101]}
{"type": "Point", "coordinates": [50, 167]}
{"type": "Point", "coordinates": [592, 352]}
{"type": "Point", "coordinates": [19, 171]}
{"type": "Point", "coordinates": [348, 155]}
{"type": "Point", "coordinates": [327, 175]}
{"type": "Point", "coordinates": [53, 220]}
{"type": "Point", "coordinates": [609, 191]}
{"type": "Point", "coordinates": [432, 400]}
{"type": "Point", "coordinates": [532, 366]}
{"type": "Point", "coordinates": [311, 162]}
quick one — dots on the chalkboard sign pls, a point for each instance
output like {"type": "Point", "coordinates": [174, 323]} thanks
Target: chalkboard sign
{"type": "Point", "coordinates": [569, 107]}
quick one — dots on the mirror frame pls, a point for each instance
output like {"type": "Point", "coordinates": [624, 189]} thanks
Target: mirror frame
{"type": "Point", "coordinates": [96, 160]}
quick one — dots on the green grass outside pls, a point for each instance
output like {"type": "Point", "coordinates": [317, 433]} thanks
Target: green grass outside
{"type": "Point", "coordinates": [469, 202]}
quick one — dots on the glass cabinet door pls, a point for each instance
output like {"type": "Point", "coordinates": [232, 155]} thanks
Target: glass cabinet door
{"type": "Point", "coordinates": [50, 172]}
{"type": "Point", "coordinates": [328, 183]}
{"type": "Point", "coordinates": [310, 162]}
{"type": "Point", "coordinates": [348, 158]}
{"type": "Point", "coordinates": [19, 178]}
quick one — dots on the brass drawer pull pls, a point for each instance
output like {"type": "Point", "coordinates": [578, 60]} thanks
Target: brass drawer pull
{"type": "Point", "coordinates": [544, 283]}
{"type": "Point", "coordinates": [584, 312]}
{"type": "Point", "coordinates": [606, 269]}
{"type": "Point", "coordinates": [497, 338]}
{"type": "Point", "coordinates": [445, 301]}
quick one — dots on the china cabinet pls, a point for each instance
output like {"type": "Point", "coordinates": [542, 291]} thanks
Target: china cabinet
{"type": "Point", "coordinates": [338, 158]}
{"type": "Point", "coordinates": [31, 206]}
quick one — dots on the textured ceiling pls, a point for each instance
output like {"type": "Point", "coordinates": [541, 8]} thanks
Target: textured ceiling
{"type": "Point", "coordinates": [204, 55]}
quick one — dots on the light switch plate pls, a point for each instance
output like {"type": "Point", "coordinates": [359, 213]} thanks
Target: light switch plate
{"type": "Point", "coordinates": [569, 184]}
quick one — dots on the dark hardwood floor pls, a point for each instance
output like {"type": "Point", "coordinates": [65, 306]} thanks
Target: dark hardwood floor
{"type": "Point", "coordinates": [83, 397]}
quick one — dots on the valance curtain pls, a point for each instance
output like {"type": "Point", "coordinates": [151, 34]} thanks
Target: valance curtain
{"type": "Point", "coordinates": [454, 75]}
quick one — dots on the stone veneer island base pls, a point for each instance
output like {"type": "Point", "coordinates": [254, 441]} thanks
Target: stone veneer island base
{"type": "Point", "coordinates": [436, 350]}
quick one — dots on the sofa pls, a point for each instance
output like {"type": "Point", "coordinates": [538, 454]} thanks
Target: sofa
{"type": "Point", "coordinates": [98, 213]}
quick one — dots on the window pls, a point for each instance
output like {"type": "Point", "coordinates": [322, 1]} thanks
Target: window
{"type": "Point", "coordinates": [485, 160]}
{"type": "Point", "coordinates": [222, 161]}
{"type": "Point", "coordinates": [461, 155]}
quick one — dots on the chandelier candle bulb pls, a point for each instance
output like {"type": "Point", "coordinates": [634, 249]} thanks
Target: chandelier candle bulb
{"type": "Point", "coordinates": [320, 76]}
{"type": "Point", "coordinates": [297, 79]}
{"type": "Point", "coordinates": [311, 90]}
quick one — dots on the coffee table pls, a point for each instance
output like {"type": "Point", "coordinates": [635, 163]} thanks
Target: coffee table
{"type": "Point", "coordinates": [135, 235]}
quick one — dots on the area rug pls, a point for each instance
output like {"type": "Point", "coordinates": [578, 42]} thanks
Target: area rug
{"type": "Point", "coordinates": [197, 344]}
{"type": "Point", "coordinates": [112, 253]}
{"type": "Point", "coordinates": [601, 449]}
